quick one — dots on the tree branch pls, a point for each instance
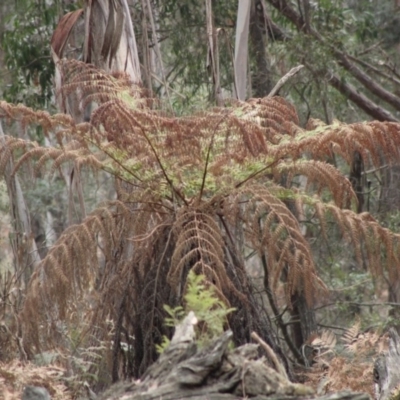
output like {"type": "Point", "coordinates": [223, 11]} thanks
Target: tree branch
{"type": "Point", "coordinates": [284, 79]}
{"type": "Point", "coordinates": [363, 102]}
{"type": "Point", "coordinates": [366, 80]}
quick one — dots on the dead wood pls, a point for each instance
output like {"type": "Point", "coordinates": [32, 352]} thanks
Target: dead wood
{"type": "Point", "coordinates": [215, 372]}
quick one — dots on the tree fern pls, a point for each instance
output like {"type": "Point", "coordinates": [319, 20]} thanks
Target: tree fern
{"type": "Point", "coordinates": [195, 193]}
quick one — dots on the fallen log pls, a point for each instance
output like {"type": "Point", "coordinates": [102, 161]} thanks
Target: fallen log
{"type": "Point", "coordinates": [215, 372]}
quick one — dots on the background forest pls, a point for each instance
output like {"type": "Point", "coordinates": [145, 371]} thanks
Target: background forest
{"type": "Point", "coordinates": [126, 169]}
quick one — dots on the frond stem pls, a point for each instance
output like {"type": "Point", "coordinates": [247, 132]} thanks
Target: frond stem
{"type": "Point", "coordinates": [145, 237]}
{"type": "Point", "coordinates": [208, 156]}
{"type": "Point", "coordinates": [117, 161]}
{"type": "Point", "coordinates": [277, 315]}
{"type": "Point", "coordinates": [156, 278]}
{"type": "Point", "coordinates": [251, 176]}
{"type": "Point", "coordinates": [175, 190]}
{"type": "Point", "coordinates": [221, 217]}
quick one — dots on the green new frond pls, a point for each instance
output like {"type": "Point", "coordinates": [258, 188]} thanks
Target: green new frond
{"type": "Point", "coordinates": [211, 312]}
{"type": "Point", "coordinates": [207, 306]}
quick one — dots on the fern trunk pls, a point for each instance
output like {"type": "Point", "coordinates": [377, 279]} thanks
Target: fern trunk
{"type": "Point", "coordinates": [303, 317]}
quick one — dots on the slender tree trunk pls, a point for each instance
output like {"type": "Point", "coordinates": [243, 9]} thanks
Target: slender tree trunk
{"type": "Point", "coordinates": [26, 255]}
{"type": "Point", "coordinates": [213, 54]}
{"type": "Point", "coordinates": [261, 77]}
{"type": "Point", "coordinates": [241, 48]}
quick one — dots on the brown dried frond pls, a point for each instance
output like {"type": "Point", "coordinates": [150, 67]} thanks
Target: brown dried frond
{"type": "Point", "coordinates": [326, 339]}
{"type": "Point", "coordinates": [365, 344]}
{"type": "Point", "coordinates": [370, 139]}
{"type": "Point", "coordinates": [362, 230]}
{"type": "Point", "coordinates": [74, 146]}
{"type": "Point", "coordinates": [275, 107]}
{"type": "Point", "coordinates": [199, 246]}
{"type": "Point", "coordinates": [9, 145]}
{"type": "Point", "coordinates": [352, 333]}
{"type": "Point", "coordinates": [274, 231]}
{"type": "Point", "coordinates": [324, 175]}
{"type": "Point", "coordinates": [148, 140]}
{"type": "Point", "coordinates": [352, 369]}
{"type": "Point", "coordinates": [319, 349]}
{"type": "Point", "coordinates": [274, 115]}
{"type": "Point", "coordinates": [376, 237]}
{"type": "Point", "coordinates": [74, 150]}
{"type": "Point", "coordinates": [344, 374]}
{"type": "Point", "coordinates": [80, 156]}
{"type": "Point", "coordinates": [27, 115]}
{"type": "Point", "coordinates": [93, 85]}
{"type": "Point", "coordinates": [67, 272]}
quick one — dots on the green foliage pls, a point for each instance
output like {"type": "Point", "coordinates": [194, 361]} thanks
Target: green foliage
{"type": "Point", "coordinates": [26, 46]}
{"type": "Point", "coordinates": [184, 50]}
{"type": "Point", "coordinates": [392, 221]}
{"type": "Point", "coordinates": [209, 309]}
{"type": "Point", "coordinates": [362, 29]}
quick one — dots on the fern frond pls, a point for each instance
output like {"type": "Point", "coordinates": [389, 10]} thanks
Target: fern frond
{"type": "Point", "coordinates": [274, 230]}
{"type": "Point", "coordinates": [352, 333]}
{"type": "Point", "coordinates": [9, 146]}
{"type": "Point", "coordinates": [370, 139]}
{"type": "Point", "coordinates": [71, 266]}
{"type": "Point", "coordinates": [102, 88]}
{"type": "Point", "coordinates": [324, 175]}
{"type": "Point", "coordinates": [27, 115]}
{"type": "Point", "coordinates": [199, 245]}
{"type": "Point", "coordinates": [362, 231]}
{"type": "Point", "coordinates": [327, 339]}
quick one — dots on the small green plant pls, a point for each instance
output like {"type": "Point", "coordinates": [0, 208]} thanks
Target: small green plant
{"type": "Point", "coordinates": [210, 310]}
